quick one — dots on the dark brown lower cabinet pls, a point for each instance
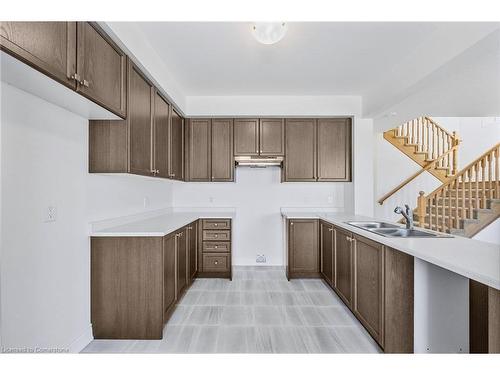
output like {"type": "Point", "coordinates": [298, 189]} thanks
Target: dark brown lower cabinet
{"type": "Point", "coordinates": [398, 301]}
{"type": "Point", "coordinates": [214, 251]}
{"type": "Point", "coordinates": [169, 274]}
{"type": "Point", "coordinates": [127, 287]}
{"type": "Point", "coordinates": [327, 247]}
{"type": "Point", "coordinates": [303, 248]}
{"type": "Point", "coordinates": [344, 264]}
{"type": "Point", "coordinates": [484, 318]}
{"type": "Point", "coordinates": [182, 262]}
{"type": "Point", "coordinates": [373, 280]}
{"type": "Point", "coordinates": [368, 303]}
{"type": "Point", "coordinates": [193, 250]}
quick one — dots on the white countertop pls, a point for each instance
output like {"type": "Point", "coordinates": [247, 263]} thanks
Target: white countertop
{"type": "Point", "coordinates": [158, 225]}
{"type": "Point", "coordinates": [473, 259]}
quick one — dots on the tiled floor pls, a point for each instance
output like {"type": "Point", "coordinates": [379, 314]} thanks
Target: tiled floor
{"type": "Point", "coordinates": [258, 312]}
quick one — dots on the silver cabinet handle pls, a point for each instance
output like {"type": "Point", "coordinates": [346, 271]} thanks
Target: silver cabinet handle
{"type": "Point", "coordinates": [216, 224]}
{"type": "Point", "coordinates": [76, 77]}
{"type": "Point", "coordinates": [85, 83]}
{"type": "Point", "coordinates": [216, 262]}
{"type": "Point", "coordinates": [216, 236]}
{"type": "Point", "coordinates": [216, 246]}
{"type": "Point", "coordinates": [330, 229]}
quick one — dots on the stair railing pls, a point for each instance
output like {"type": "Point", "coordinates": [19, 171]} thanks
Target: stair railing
{"type": "Point", "coordinates": [432, 139]}
{"type": "Point", "coordinates": [439, 146]}
{"type": "Point", "coordinates": [429, 165]}
{"type": "Point", "coordinates": [457, 198]}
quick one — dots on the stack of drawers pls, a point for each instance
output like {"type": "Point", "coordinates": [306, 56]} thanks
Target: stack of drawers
{"type": "Point", "coordinates": [215, 247]}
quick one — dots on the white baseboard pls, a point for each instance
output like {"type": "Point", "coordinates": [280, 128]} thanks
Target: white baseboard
{"type": "Point", "coordinates": [82, 341]}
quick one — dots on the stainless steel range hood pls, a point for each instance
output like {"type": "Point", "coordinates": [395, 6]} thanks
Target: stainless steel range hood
{"type": "Point", "coordinates": [258, 161]}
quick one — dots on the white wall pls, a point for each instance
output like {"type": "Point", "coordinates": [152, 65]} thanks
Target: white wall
{"type": "Point", "coordinates": [45, 299]}
{"type": "Point", "coordinates": [258, 196]}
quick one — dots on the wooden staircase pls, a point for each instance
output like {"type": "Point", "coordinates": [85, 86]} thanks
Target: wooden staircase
{"type": "Point", "coordinates": [427, 144]}
{"type": "Point", "coordinates": [467, 202]}
{"type": "Point", "coordinates": [424, 141]}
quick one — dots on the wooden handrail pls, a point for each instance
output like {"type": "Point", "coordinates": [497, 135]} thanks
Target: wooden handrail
{"type": "Point", "coordinates": [415, 175]}
{"type": "Point", "coordinates": [439, 126]}
{"type": "Point", "coordinates": [464, 170]}
{"type": "Point", "coordinates": [463, 193]}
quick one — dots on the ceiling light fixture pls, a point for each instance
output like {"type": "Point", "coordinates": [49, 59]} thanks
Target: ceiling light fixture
{"type": "Point", "coordinates": [269, 32]}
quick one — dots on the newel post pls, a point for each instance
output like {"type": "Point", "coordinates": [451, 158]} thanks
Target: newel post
{"type": "Point", "coordinates": [456, 142]}
{"type": "Point", "coordinates": [421, 208]}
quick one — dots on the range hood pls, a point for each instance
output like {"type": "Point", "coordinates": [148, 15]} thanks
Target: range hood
{"type": "Point", "coordinates": [258, 161]}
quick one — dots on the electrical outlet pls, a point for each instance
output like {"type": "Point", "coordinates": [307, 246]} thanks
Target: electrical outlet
{"type": "Point", "coordinates": [146, 202]}
{"type": "Point", "coordinates": [50, 214]}
{"type": "Point", "coordinates": [261, 258]}
{"type": "Point", "coordinates": [330, 199]}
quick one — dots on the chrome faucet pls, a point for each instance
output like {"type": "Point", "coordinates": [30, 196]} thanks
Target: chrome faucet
{"type": "Point", "coordinates": [408, 215]}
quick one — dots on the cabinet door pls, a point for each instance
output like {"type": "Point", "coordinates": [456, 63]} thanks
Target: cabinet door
{"type": "Point", "coordinates": [49, 47]}
{"type": "Point", "coordinates": [176, 146]}
{"type": "Point", "coordinates": [343, 272]}
{"type": "Point", "coordinates": [327, 252]}
{"type": "Point", "coordinates": [169, 272]}
{"type": "Point", "coordinates": [182, 261]}
{"type": "Point", "coordinates": [222, 150]}
{"type": "Point", "coordinates": [198, 149]}
{"type": "Point", "coordinates": [101, 66]}
{"type": "Point", "coordinates": [334, 149]}
{"type": "Point", "coordinates": [300, 150]}
{"type": "Point", "coordinates": [272, 137]}
{"type": "Point", "coordinates": [303, 247]}
{"type": "Point", "coordinates": [369, 288]}
{"type": "Point", "coordinates": [246, 137]}
{"type": "Point", "coordinates": [193, 249]}
{"type": "Point", "coordinates": [161, 134]}
{"type": "Point", "coordinates": [140, 119]}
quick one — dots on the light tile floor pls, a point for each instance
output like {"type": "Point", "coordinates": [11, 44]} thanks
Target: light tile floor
{"type": "Point", "coordinates": [258, 312]}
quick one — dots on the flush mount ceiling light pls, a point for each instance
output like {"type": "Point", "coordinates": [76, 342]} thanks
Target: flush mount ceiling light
{"type": "Point", "coordinates": [269, 32]}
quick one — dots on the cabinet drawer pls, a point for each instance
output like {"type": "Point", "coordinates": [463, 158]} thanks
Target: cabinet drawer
{"type": "Point", "coordinates": [216, 224]}
{"type": "Point", "coordinates": [216, 247]}
{"type": "Point", "coordinates": [215, 262]}
{"type": "Point", "coordinates": [216, 235]}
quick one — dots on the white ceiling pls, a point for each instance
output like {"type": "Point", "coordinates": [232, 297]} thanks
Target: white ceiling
{"type": "Point", "coordinates": [377, 61]}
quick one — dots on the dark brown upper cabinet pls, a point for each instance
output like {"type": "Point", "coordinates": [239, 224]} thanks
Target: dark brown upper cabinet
{"type": "Point", "coordinates": [101, 68]}
{"type": "Point", "coordinates": [259, 137]}
{"type": "Point", "coordinates": [246, 137]}
{"type": "Point", "coordinates": [334, 149]}
{"type": "Point", "coordinates": [198, 150]}
{"type": "Point", "coordinates": [161, 135]}
{"type": "Point", "coordinates": [150, 142]}
{"type": "Point", "coordinates": [49, 47]}
{"type": "Point", "coordinates": [140, 122]}
{"type": "Point", "coordinates": [317, 150]}
{"type": "Point", "coordinates": [77, 54]}
{"type": "Point", "coordinates": [300, 150]}
{"type": "Point", "coordinates": [176, 146]}
{"type": "Point", "coordinates": [272, 137]}
{"type": "Point", "coordinates": [210, 150]}
{"type": "Point", "coordinates": [222, 150]}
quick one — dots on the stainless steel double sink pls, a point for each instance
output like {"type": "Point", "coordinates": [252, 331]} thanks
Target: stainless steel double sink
{"type": "Point", "coordinates": [393, 230]}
